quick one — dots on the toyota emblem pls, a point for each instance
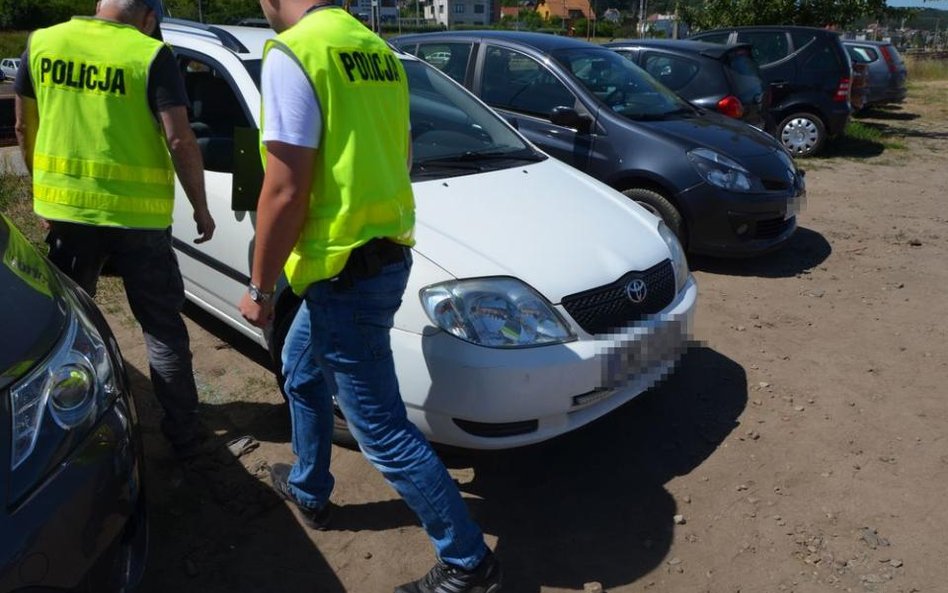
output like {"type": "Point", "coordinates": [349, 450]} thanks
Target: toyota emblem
{"type": "Point", "coordinates": [636, 291]}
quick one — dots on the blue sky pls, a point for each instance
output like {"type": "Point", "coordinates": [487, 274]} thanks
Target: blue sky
{"type": "Point", "coordinates": [941, 4]}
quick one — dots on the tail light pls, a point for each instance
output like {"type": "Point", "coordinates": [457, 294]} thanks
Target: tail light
{"type": "Point", "coordinates": [842, 91]}
{"type": "Point", "coordinates": [731, 106]}
{"type": "Point", "coordinates": [889, 60]}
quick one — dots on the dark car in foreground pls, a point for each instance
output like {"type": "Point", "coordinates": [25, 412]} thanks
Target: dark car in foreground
{"type": "Point", "coordinates": [73, 514]}
{"type": "Point", "coordinates": [809, 74]}
{"type": "Point", "coordinates": [724, 187]}
{"type": "Point", "coordinates": [887, 72]}
{"type": "Point", "coordinates": [722, 78]}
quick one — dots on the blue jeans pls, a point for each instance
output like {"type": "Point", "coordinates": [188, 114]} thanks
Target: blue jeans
{"type": "Point", "coordinates": [339, 344]}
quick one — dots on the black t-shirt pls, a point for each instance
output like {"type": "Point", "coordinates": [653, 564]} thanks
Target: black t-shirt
{"type": "Point", "coordinates": [165, 84]}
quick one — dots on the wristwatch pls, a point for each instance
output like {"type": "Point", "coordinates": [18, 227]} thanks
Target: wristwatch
{"type": "Point", "coordinates": [257, 295]}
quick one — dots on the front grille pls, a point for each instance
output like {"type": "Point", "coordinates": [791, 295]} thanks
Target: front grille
{"type": "Point", "coordinates": [609, 307]}
{"type": "Point", "coordinates": [775, 184]}
{"type": "Point", "coordinates": [772, 227]}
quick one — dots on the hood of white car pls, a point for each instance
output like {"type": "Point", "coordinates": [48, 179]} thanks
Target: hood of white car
{"type": "Point", "coordinates": [553, 227]}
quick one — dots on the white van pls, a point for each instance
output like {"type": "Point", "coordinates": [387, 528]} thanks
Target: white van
{"type": "Point", "coordinates": [540, 299]}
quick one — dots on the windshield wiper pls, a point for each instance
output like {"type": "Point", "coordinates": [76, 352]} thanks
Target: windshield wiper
{"type": "Point", "coordinates": [683, 111]}
{"type": "Point", "coordinates": [474, 156]}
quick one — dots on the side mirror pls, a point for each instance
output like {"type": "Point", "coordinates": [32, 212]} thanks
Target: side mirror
{"type": "Point", "coordinates": [570, 118]}
{"type": "Point", "coordinates": [248, 170]}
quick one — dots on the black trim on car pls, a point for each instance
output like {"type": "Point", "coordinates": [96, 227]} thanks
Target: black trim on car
{"type": "Point", "coordinates": [210, 262]}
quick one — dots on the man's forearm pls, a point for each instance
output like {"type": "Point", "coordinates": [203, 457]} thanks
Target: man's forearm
{"type": "Point", "coordinates": [188, 164]}
{"type": "Point", "coordinates": [185, 154]}
{"type": "Point", "coordinates": [280, 220]}
{"type": "Point", "coordinates": [27, 123]}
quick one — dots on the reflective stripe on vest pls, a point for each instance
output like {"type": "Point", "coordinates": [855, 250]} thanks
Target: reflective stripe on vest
{"type": "Point", "coordinates": [361, 187]}
{"type": "Point", "coordinates": [100, 156]}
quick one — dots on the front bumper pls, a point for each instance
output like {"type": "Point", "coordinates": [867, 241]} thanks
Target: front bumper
{"type": "Point", "coordinates": [473, 397]}
{"type": "Point", "coordinates": [71, 523]}
{"type": "Point", "coordinates": [726, 224]}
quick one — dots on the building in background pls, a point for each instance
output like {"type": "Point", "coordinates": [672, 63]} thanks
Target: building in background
{"type": "Point", "coordinates": [568, 10]}
{"type": "Point", "coordinates": [473, 13]}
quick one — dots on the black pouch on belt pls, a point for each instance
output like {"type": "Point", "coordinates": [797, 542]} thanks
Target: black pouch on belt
{"type": "Point", "coordinates": [367, 261]}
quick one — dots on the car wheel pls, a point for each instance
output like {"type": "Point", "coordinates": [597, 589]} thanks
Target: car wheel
{"type": "Point", "coordinates": [659, 205]}
{"type": "Point", "coordinates": [802, 133]}
{"type": "Point", "coordinates": [281, 326]}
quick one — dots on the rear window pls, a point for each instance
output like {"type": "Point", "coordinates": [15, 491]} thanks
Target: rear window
{"type": "Point", "coordinates": [744, 73]}
{"type": "Point", "coordinates": [672, 71]}
{"type": "Point", "coordinates": [714, 37]}
{"type": "Point", "coordinates": [862, 55]}
{"type": "Point", "coordinates": [823, 59]}
{"type": "Point", "coordinates": [450, 58]}
{"type": "Point", "coordinates": [769, 46]}
{"type": "Point", "coordinates": [801, 38]}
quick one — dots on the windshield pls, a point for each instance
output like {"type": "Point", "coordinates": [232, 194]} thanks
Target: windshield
{"type": "Point", "coordinates": [452, 133]}
{"type": "Point", "coordinates": [621, 85]}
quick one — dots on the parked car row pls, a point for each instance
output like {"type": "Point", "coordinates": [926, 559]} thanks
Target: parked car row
{"type": "Point", "coordinates": [886, 70]}
{"type": "Point", "coordinates": [723, 187]}
{"type": "Point", "coordinates": [548, 291]}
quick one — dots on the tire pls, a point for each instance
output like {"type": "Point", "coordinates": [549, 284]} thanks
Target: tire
{"type": "Point", "coordinates": [660, 206]}
{"type": "Point", "coordinates": [281, 326]}
{"type": "Point", "coordinates": [802, 133]}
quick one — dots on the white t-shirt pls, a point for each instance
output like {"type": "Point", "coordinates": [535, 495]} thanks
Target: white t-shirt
{"type": "Point", "coordinates": [291, 109]}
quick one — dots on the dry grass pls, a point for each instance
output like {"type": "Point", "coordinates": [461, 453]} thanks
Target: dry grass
{"type": "Point", "coordinates": [926, 69]}
{"type": "Point", "coordinates": [16, 202]}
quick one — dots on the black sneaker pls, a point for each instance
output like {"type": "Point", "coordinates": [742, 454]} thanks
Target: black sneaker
{"type": "Point", "coordinates": [445, 578]}
{"type": "Point", "coordinates": [313, 518]}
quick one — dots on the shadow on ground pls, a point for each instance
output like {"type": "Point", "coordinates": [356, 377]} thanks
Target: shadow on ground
{"type": "Point", "coordinates": [886, 112]}
{"type": "Point", "coordinates": [850, 147]}
{"type": "Point", "coordinates": [592, 505]}
{"type": "Point", "coordinates": [215, 526]}
{"type": "Point", "coordinates": [805, 250]}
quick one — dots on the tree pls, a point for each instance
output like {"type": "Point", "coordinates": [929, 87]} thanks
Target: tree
{"type": "Point", "coordinates": [33, 14]}
{"type": "Point", "coordinates": [815, 13]}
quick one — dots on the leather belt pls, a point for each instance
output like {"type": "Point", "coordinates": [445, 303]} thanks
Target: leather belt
{"type": "Point", "coordinates": [366, 261]}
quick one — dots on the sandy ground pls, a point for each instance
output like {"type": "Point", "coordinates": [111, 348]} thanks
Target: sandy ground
{"type": "Point", "coordinates": [801, 446]}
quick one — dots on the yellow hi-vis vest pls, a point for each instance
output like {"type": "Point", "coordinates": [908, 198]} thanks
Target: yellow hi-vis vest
{"type": "Point", "coordinates": [100, 156]}
{"type": "Point", "coordinates": [361, 186]}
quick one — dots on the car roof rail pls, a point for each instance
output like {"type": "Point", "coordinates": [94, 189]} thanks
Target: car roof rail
{"type": "Point", "coordinates": [227, 39]}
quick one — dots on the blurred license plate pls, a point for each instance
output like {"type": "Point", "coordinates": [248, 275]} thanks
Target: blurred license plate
{"type": "Point", "coordinates": [636, 353]}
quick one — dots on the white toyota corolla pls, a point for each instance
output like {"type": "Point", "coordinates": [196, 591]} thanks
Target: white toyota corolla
{"type": "Point", "coordinates": [540, 299]}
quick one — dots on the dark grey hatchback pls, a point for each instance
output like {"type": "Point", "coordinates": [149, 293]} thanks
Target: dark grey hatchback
{"type": "Point", "coordinates": [73, 513]}
{"type": "Point", "coordinates": [726, 188]}
{"type": "Point", "coordinates": [722, 78]}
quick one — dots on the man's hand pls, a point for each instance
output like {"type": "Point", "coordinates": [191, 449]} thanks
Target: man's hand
{"type": "Point", "coordinates": [205, 225]}
{"type": "Point", "coordinates": [259, 314]}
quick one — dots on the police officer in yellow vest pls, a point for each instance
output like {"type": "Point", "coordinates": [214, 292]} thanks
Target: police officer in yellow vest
{"type": "Point", "coordinates": [99, 105]}
{"type": "Point", "coordinates": [336, 212]}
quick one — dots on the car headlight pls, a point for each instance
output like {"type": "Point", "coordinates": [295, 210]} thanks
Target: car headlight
{"type": "Point", "coordinates": [494, 312]}
{"type": "Point", "coordinates": [73, 385]}
{"type": "Point", "coordinates": [678, 259]}
{"type": "Point", "coordinates": [722, 171]}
